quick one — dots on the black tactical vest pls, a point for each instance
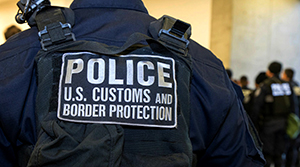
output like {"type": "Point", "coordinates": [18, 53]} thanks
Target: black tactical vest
{"type": "Point", "coordinates": [278, 97]}
{"type": "Point", "coordinates": [100, 105]}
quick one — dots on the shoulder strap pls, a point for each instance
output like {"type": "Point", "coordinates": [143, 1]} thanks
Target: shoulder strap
{"type": "Point", "coordinates": [173, 33]}
{"type": "Point", "coordinates": [133, 42]}
{"type": "Point", "coordinates": [54, 24]}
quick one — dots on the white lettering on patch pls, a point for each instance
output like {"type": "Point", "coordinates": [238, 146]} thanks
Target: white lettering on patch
{"type": "Point", "coordinates": [137, 90]}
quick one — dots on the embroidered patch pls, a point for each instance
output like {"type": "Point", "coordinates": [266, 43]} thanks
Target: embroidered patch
{"type": "Point", "coordinates": [137, 90]}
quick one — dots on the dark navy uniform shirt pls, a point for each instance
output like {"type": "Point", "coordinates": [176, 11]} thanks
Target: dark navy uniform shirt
{"type": "Point", "coordinates": [219, 127]}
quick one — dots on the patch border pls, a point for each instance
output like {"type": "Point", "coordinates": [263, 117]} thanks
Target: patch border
{"type": "Point", "coordinates": [114, 122]}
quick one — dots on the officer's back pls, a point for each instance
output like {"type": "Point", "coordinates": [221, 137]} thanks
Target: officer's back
{"type": "Point", "coordinates": [218, 131]}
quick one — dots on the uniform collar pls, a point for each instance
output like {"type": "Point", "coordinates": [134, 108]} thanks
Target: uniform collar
{"type": "Point", "coordinates": [137, 5]}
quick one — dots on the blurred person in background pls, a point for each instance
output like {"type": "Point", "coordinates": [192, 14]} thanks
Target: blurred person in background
{"type": "Point", "coordinates": [292, 153]}
{"type": "Point", "coordinates": [249, 105]}
{"type": "Point", "coordinates": [246, 92]}
{"type": "Point", "coordinates": [11, 30]}
{"type": "Point", "coordinates": [272, 105]}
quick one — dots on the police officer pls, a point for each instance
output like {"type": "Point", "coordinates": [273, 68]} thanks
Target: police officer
{"type": "Point", "coordinates": [249, 106]}
{"type": "Point", "coordinates": [258, 83]}
{"type": "Point", "coordinates": [246, 92]}
{"type": "Point", "coordinates": [220, 132]}
{"type": "Point", "coordinates": [273, 103]}
{"type": "Point", "coordinates": [288, 76]}
{"type": "Point", "coordinates": [292, 154]}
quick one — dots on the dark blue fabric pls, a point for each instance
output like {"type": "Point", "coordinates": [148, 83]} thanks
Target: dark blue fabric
{"type": "Point", "coordinates": [219, 129]}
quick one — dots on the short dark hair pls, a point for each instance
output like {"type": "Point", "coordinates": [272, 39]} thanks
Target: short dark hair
{"type": "Point", "coordinates": [289, 73]}
{"type": "Point", "coordinates": [10, 31]}
{"type": "Point", "coordinates": [275, 67]}
{"type": "Point", "coordinates": [244, 80]}
{"type": "Point", "coordinates": [260, 77]}
{"type": "Point", "coordinates": [229, 73]}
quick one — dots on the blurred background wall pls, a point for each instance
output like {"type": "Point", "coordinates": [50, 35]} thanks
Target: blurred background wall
{"type": "Point", "coordinates": [246, 35]}
{"type": "Point", "coordinates": [263, 31]}
{"type": "Point", "coordinates": [197, 12]}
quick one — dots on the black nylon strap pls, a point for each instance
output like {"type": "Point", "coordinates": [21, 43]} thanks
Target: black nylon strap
{"type": "Point", "coordinates": [173, 33]}
{"type": "Point", "coordinates": [53, 28]}
{"type": "Point", "coordinates": [48, 16]}
{"type": "Point", "coordinates": [179, 28]}
{"type": "Point", "coordinates": [134, 40]}
{"type": "Point", "coordinates": [55, 32]}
